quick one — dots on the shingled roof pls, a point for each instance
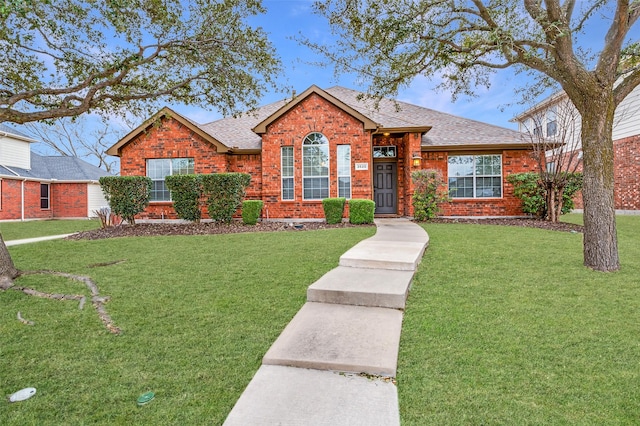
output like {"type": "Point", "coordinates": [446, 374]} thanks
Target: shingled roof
{"type": "Point", "coordinates": [440, 130]}
{"type": "Point", "coordinates": [57, 168]}
{"type": "Point", "coordinates": [447, 130]}
{"type": "Point", "coordinates": [13, 132]}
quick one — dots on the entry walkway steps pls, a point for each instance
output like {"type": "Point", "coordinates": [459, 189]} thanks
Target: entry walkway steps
{"type": "Point", "coordinates": [35, 240]}
{"type": "Point", "coordinates": [334, 362]}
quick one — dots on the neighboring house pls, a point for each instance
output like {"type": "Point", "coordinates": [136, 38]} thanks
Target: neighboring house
{"type": "Point", "coordinates": [556, 117]}
{"type": "Point", "coordinates": [41, 187]}
{"type": "Point", "coordinates": [333, 143]}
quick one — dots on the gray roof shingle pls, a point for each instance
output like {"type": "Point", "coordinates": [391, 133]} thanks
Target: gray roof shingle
{"type": "Point", "coordinates": [58, 168]}
{"type": "Point", "coordinates": [6, 129]}
{"type": "Point", "coordinates": [447, 130]}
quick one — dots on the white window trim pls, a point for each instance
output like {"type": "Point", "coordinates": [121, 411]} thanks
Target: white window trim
{"type": "Point", "coordinates": [344, 175]}
{"type": "Point", "coordinates": [328, 167]}
{"type": "Point", "coordinates": [282, 175]}
{"type": "Point", "coordinates": [474, 197]}
{"type": "Point", "coordinates": [170, 173]}
{"type": "Point", "coordinates": [48, 197]}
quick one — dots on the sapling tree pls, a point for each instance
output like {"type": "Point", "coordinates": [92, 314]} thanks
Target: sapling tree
{"type": "Point", "coordinates": [554, 131]}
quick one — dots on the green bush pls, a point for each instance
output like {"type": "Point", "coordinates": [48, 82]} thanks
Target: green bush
{"type": "Point", "coordinates": [428, 193]}
{"type": "Point", "coordinates": [186, 192]}
{"type": "Point", "coordinates": [333, 209]}
{"type": "Point", "coordinates": [532, 193]}
{"type": "Point", "coordinates": [127, 195]}
{"type": "Point", "coordinates": [361, 211]}
{"type": "Point", "coordinates": [251, 210]}
{"type": "Point", "coordinates": [224, 193]}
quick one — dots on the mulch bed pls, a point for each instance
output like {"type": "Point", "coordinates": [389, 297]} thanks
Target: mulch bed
{"type": "Point", "coordinates": [155, 229]}
{"type": "Point", "coordinates": [529, 223]}
{"type": "Point", "coordinates": [208, 228]}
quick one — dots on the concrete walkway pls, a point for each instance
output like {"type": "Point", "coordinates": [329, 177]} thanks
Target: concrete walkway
{"type": "Point", "coordinates": [334, 363]}
{"type": "Point", "coordinates": [35, 240]}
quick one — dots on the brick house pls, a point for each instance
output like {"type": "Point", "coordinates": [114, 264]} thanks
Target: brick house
{"type": "Point", "coordinates": [555, 114]}
{"type": "Point", "coordinates": [42, 187]}
{"type": "Point", "coordinates": [333, 143]}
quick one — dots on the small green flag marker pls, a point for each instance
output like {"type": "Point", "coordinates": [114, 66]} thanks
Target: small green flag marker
{"type": "Point", "coordinates": [145, 398]}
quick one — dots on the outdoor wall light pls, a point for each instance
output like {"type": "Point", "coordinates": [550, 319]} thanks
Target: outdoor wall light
{"type": "Point", "coordinates": [417, 159]}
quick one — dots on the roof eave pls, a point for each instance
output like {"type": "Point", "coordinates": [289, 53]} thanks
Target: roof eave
{"type": "Point", "coordinates": [415, 129]}
{"type": "Point", "coordinates": [477, 147]}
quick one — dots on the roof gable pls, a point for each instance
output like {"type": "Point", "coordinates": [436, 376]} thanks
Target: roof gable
{"type": "Point", "coordinates": [368, 123]}
{"type": "Point", "coordinates": [168, 113]}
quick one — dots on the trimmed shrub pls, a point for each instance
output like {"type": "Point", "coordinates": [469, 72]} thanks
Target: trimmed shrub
{"type": "Point", "coordinates": [127, 195]}
{"type": "Point", "coordinates": [361, 211]}
{"type": "Point", "coordinates": [186, 192]}
{"type": "Point", "coordinates": [427, 194]}
{"type": "Point", "coordinates": [528, 188]}
{"type": "Point", "coordinates": [251, 210]}
{"type": "Point", "coordinates": [333, 209]}
{"type": "Point", "coordinates": [224, 193]}
{"type": "Point", "coordinates": [531, 191]}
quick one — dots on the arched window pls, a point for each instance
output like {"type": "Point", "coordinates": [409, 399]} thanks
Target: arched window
{"type": "Point", "coordinates": [315, 167]}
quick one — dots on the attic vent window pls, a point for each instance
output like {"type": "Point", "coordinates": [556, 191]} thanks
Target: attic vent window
{"type": "Point", "coordinates": [384, 152]}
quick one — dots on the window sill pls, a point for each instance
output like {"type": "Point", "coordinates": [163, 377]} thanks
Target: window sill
{"type": "Point", "coordinates": [460, 200]}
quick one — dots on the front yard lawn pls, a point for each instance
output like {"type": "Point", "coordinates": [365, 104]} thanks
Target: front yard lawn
{"type": "Point", "coordinates": [42, 228]}
{"type": "Point", "coordinates": [197, 314]}
{"type": "Point", "coordinates": [505, 326]}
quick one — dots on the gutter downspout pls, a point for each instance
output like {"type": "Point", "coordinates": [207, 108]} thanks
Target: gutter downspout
{"type": "Point", "coordinates": [22, 200]}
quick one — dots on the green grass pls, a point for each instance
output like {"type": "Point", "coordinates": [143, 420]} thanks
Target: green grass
{"type": "Point", "coordinates": [505, 326]}
{"type": "Point", "coordinates": [42, 228]}
{"type": "Point", "coordinates": [197, 313]}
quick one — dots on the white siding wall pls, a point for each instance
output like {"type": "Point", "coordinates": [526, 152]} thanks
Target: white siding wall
{"type": "Point", "coordinates": [95, 198]}
{"type": "Point", "coordinates": [627, 119]}
{"type": "Point", "coordinates": [14, 153]}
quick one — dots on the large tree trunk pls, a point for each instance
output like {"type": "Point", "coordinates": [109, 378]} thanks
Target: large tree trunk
{"type": "Point", "coordinates": [7, 270]}
{"type": "Point", "coordinates": [600, 237]}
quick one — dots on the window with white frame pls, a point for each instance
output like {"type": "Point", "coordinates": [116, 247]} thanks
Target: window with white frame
{"type": "Point", "coordinates": [315, 167]}
{"type": "Point", "coordinates": [552, 121]}
{"type": "Point", "coordinates": [286, 167]}
{"type": "Point", "coordinates": [44, 196]}
{"type": "Point", "coordinates": [158, 169]}
{"type": "Point", "coordinates": [344, 171]}
{"type": "Point", "coordinates": [475, 176]}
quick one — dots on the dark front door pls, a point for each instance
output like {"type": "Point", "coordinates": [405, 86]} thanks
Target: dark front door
{"type": "Point", "coordinates": [385, 193]}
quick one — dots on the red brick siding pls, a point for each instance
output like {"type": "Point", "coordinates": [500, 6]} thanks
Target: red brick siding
{"type": "Point", "coordinates": [12, 201]}
{"type": "Point", "coordinates": [508, 205]}
{"type": "Point", "coordinates": [66, 200]}
{"type": "Point", "coordinates": [626, 154]}
{"type": "Point", "coordinates": [626, 158]}
{"type": "Point", "coordinates": [170, 139]}
{"type": "Point", "coordinates": [69, 200]}
{"type": "Point", "coordinates": [313, 114]}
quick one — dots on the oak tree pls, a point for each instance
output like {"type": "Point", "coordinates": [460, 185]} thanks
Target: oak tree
{"type": "Point", "coordinates": [68, 57]}
{"type": "Point", "coordinates": [389, 42]}
{"type": "Point", "coordinates": [65, 58]}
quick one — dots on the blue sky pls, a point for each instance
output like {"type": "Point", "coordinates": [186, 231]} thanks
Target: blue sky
{"type": "Point", "coordinates": [288, 18]}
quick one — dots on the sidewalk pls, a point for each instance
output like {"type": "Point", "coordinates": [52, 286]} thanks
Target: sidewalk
{"type": "Point", "coordinates": [35, 240]}
{"type": "Point", "coordinates": [334, 363]}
